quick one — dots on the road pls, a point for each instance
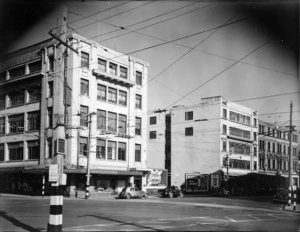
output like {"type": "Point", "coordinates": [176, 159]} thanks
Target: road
{"type": "Point", "coordinates": [24, 213]}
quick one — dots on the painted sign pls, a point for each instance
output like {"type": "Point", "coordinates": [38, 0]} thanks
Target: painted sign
{"type": "Point", "coordinates": [196, 182]}
{"type": "Point", "coordinates": [53, 173]}
{"type": "Point", "coordinates": [154, 177]}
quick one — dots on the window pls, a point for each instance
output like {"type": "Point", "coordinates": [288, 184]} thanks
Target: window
{"type": "Point", "coordinates": [224, 113]}
{"type": "Point", "coordinates": [51, 63]}
{"type": "Point", "coordinates": [122, 98]}
{"type": "Point", "coordinates": [17, 72]}
{"type": "Point", "coordinates": [113, 68]}
{"type": "Point", "coordinates": [101, 92]}
{"type": "Point", "coordinates": [33, 149]}
{"type": "Point", "coordinates": [224, 146]}
{"type": "Point", "coordinates": [34, 95]}
{"type": "Point", "coordinates": [15, 151]}
{"type": "Point", "coordinates": [255, 151]}
{"type": "Point", "coordinates": [224, 129]}
{"type": "Point", "coordinates": [138, 152]}
{"type": "Point", "coordinates": [35, 67]}
{"type": "Point", "coordinates": [255, 122]}
{"type": "Point", "coordinates": [255, 165]}
{"type": "Point", "coordinates": [153, 120]}
{"type": "Point", "coordinates": [102, 64]}
{"type": "Point", "coordinates": [273, 132]}
{"type": "Point", "coordinates": [84, 110]}
{"type": "Point", "coordinates": [138, 101]}
{"type": "Point", "coordinates": [112, 95]}
{"type": "Point", "coordinates": [273, 147]}
{"type": "Point", "coordinates": [17, 98]}
{"type": "Point", "coordinates": [138, 78]}
{"type": "Point", "coordinates": [123, 72]}
{"type": "Point", "coordinates": [101, 119]}
{"type": "Point", "coordinates": [2, 125]}
{"type": "Point", "coordinates": [33, 121]}
{"type": "Point", "coordinates": [85, 59]}
{"type": "Point", "coordinates": [1, 152]}
{"type": "Point", "coordinates": [16, 123]}
{"type": "Point", "coordinates": [269, 146]}
{"type": "Point", "coordinates": [122, 124]}
{"type": "Point", "coordinates": [100, 151]}
{"type": "Point", "coordinates": [189, 115]}
{"type": "Point", "coordinates": [122, 151]}
{"type": "Point", "coordinates": [152, 135]}
{"type": "Point", "coordinates": [50, 120]}
{"type": "Point", "coordinates": [50, 88]}
{"type": "Point", "coordinates": [138, 126]}
{"type": "Point", "coordinates": [2, 76]}
{"type": "Point", "coordinates": [239, 148]}
{"type": "Point", "coordinates": [254, 136]}
{"type": "Point", "coordinates": [2, 101]}
{"type": "Point", "coordinates": [189, 131]}
{"type": "Point", "coordinates": [111, 150]}
{"type": "Point", "coordinates": [83, 146]}
{"type": "Point", "coordinates": [84, 87]}
{"type": "Point", "coordinates": [49, 143]}
{"type": "Point", "coordinates": [284, 149]}
{"type": "Point", "coordinates": [112, 121]}
{"type": "Point", "coordinates": [239, 118]}
{"type": "Point", "coordinates": [239, 132]}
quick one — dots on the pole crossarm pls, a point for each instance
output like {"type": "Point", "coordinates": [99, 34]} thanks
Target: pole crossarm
{"type": "Point", "coordinates": [62, 42]}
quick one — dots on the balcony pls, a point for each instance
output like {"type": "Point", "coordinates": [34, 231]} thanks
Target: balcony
{"type": "Point", "coordinates": [112, 78]}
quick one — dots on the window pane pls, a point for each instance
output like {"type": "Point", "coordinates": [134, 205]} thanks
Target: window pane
{"type": "Point", "coordinates": [138, 101]}
{"type": "Point", "coordinates": [138, 76]}
{"type": "Point", "coordinates": [122, 151]}
{"type": "Point", "coordinates": [123, 72]}
{"type": "Point", "coordinates": [84, 115]}
{"type": "Point", "coordinates": [138, 152]}
{"type": "Point", "coordinates": [1, 152]}
{"type": "Point", "coordinates": [2, 125]}
{"type": "Point", "coordinates": [15, 151]}
{"type": "Point", "coordinates": [122, 124]}
{"type": "Point", "coordinates": [84, 87]}
{"type": "Point", "coordinates": [152, 135]}
{"type": "Point", "coordinates": [34, 121]}
{"type": "Point", "coordinates": [189, 131]}
{"type": "Point", "coordinates": [33, 149]}
{"type": "Point", "coordinates": [84, 60]}
{"type": "Point", "coordinates": [112, 122]}
{"type": "Point", "coordinates": [34, 94]}
{"type": "Point", "coordinates": [111, 150]}
{"type": "Point", "coordinates": [102, 64]}
{"type": "Point", "coordinates": [101, 92]}
{"type": "Point", "coordinates": [122, 98]}
{"type": "Point", "coordinates": [113, 68]}
{"type": "Point", "coordinates": [138, 126]}
{"type": "Point", "coordinates": [189, 115]}
{"type": "Point", "coordinates": [101, 119]}
{"type": "Point", "coordinates": [153, 120]}
{"type": "Point", "coordinates": [16, 123]}
{"type": "Point", "coordinates": [83, 146]}
{"type": "Point", "coordinates": [100, 152]}
{"type": "Point", "coordinates": [112, 95]}
{"type": "Point", "coordinates": [17, 98]}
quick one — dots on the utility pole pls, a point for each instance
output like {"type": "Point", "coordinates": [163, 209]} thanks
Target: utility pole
{"type": "Point", "coordinates": [87, 190]}
{"type": "Point", "coordinates": [290, 154]}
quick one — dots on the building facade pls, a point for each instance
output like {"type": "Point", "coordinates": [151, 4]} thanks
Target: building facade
{"type": "Point", "coordinates": [95, 104]}
{"type": "Point", "coordinates": [274, 150]}
{"type": "Point", "coordinates": [208, 137]}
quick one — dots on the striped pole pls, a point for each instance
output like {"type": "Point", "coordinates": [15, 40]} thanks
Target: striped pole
{"type": "Point", "coordinates": [87, 191]}
{"type": "Point", "coordinates": [43, 187]}
{"type": "Point", "coordinates": [295, 199]}
{"type": "Point", "coordinates": [290, 196]}
{"type": "Point", "coordinates": [56, 209]}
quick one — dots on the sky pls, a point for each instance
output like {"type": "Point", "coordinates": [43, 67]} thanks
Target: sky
{"type": "Point", "coordinates": [245, 51]}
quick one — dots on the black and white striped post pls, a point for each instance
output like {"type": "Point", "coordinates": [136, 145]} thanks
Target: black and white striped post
{"type": "Point", "coordinates": [43, 187]}
{"type": "Point", "coordinates": [290, 195]}
{"type": "Point", "coordinates": [295, 198]}
{"type": "Point", "coordinates": [56, 209]}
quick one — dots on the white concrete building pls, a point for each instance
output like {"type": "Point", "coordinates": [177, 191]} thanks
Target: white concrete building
{"type": "Point", "coordinates": [106, 100]}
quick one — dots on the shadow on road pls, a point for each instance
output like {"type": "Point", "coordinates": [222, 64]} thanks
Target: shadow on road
{"type": "Point", "coordinates": [122, 222]}
{"type": "Point", "coordinates": [17, 222]}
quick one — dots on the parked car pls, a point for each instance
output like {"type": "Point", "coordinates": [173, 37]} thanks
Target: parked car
{"type": "Point", "coordinates": [132, 192]}
{"type": "Point", "coordinates": [281, 196]}
{"type": "Point", "coordinates": [171, 191]}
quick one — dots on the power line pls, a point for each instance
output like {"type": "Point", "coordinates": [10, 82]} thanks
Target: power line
{"type": "Point", "coordinates": [230, 66]}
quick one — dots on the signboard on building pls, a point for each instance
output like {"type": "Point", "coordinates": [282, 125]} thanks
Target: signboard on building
{"type": "Point", "coordinates": [156, 178]}
{"type": "Point", "coordinates": [53, 173]}
{"type": "Point", "coordinates": [196, 182]}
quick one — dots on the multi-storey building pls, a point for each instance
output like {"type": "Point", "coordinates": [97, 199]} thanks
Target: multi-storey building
{"type": "Point", "coordinates": [274, 150]}
{"type": "Point", "coordinates": [104, 103]}
{"type": "Point", "coordinates": [207, 137]}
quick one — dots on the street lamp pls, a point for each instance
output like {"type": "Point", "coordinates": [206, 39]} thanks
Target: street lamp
{"type": "Point", "coordinates": [87, 190]}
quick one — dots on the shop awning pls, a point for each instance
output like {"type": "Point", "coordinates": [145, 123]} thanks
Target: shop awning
{"type": "Point", "coordinates": [104, 172]}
